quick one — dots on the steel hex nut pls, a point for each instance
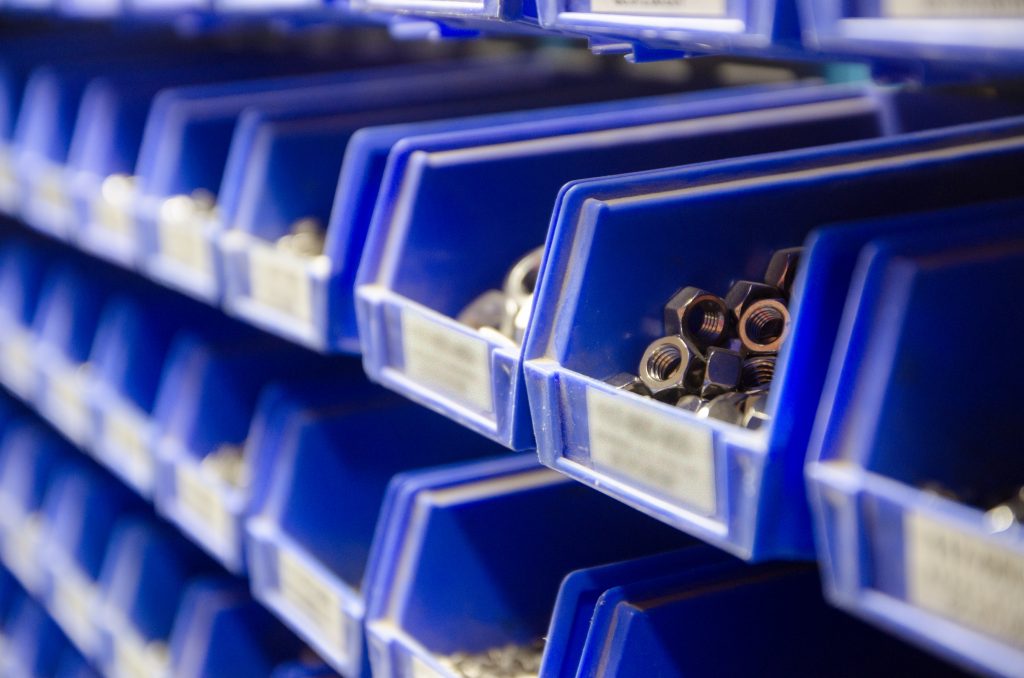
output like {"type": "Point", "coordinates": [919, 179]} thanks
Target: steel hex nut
{"type": "Point", "coordinates": [669, 364]}
{"type": "Point", "coordinates": [624, 381]}
{"type": "Point", "coordinates": [764, 326]}
{"type": "Point", "coordinates": [743, 293]}
{"type": "Point", "coordinates": [698, 315]}
{"type": "Point", "coordinates": [781, 269]}
{"type": "Point", "coordinates": [722, 372]}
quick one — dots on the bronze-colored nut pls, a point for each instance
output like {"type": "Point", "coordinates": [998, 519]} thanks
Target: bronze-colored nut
{"type": "Point", "coordinates": [721, 372]}
{"type": "Point", "coordinates": [743, 293]}
{"type": "Point", "coordinates": [670, 364]}
{"type": "Point", "coordinates": [521, 280]}
{"type": "Point", "coordinates": [624, 381]}
{"type": "Point", "coordinates": [758, 372]}
{"type": "Point", "coordinates": [697, 315]}
{"type": "Point", "coordinates": [764, 326]}
{"type": "Point", "coordinates": [782, 269]}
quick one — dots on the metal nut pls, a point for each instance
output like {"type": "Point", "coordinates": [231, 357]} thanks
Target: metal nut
{"type": "Point", "coordinates": [782, 268]}
{"type": "Point", "coordinates": [764, 325]}
{"type": "Point", "coordinates": [721, 372]}
{"type": "Point", "coordinates": [743, 293]}
{"type": "Point", "coordinates": [758, 371]}
{"type": "Point", "coordinates": [727, 407]}
{"type": "Point", "coordinates": [670, 364]}
{"type": "Point", "coordinates": [697, 315]}
{"type": "Point", "coordinates": [755, 411]}
{"type": "Point", "coordinates": [691, 403]}
{"type": "Point", "coordinates": [624, 381]}
{"type": "Point", "coordinates": [487, 310]}
{"type": "Point", "coordinates": [521, 280]}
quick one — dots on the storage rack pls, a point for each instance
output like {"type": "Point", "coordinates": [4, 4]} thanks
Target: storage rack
{"type": "Point", "coordinates": [247, 427]}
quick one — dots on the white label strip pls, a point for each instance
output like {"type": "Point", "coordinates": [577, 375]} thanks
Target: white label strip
{"type": "Point", "coordinates": [133, 658]}
{"type": "Point", "coordinates": [965, 578]}
{"type": "Point", "coordinates": [20, 545]}
{"type": "Point", "coordinates": [420, 669]}
{"type": "Point", "coordinates": [953, 9]}
{"type": "Point", "coordinates": [8, 182]}
{"type": "Point", "coordinates": [66, 404]}
{"type": "Point", "coordinates": [197, 498]}
{"type": "Point", "coordinates": [682, 8]}
{"type": "Point", "coordinates": [183, 241]}
{"type": "Point", "coordinates": [73, 599]}
{"type": "Point", "coordinates": [113, 219]}
{"type": "Point", "coordinates": [50, 193]}
{"type": "Point", "coordinates": [281, 282]}
{"type": "Point", "coordinates": [653, 448]}
{"type": "Point", "coordinates": [314, 600]}
{"type": "Point", "coordinates": [17, 366]}
{"type": "Point", "coordinates": [448, 360]}
{"type": "Point", "coordinates": [126, 436]}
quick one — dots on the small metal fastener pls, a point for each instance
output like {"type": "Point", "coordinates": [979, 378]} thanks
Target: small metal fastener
{"type": "Point", "coordinates": [305, 238]}
{"type": "Point", "coordinates": [1010, 512]}
{"type": "Point", "coordinates": [698, 315]}
{"type": "Point", "coordinates": [521, 280]}
{"type": "Point", "coordinates": [228, 463]}
{"type": "Point", "coordinates": [755, 411]}
{"type": "Point", "coordinates": [691, 403]}
{"type": "Point", "coordinates": [670, 364]}
{"type": "Point", "coordinates": [782, 269]}
{"type": "Point", "coordinates": [726, 407]}
{"type": "Point", "coordinates": [743, 293]}
{"type": "Point", "coordinates": [758, 372]}
{"type": "Point", "coordinates": [624, 381]}
{"type": "Point", "coordinates": [764, 326]}
{"type": "Point", "coordinates": [722, 371]}
{"type": "Point", "coordinates": [487, 310]}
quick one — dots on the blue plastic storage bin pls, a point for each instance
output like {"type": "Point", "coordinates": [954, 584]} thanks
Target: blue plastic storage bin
{"type": "Point", "coordinates": [23, 268]}
{"type": "Point", "coordinates": [31, 455]}
{"type": "Point", "coordinates": [145, 573]}
{"type": "Point", "coordinates": [458, 209]}
{"type": "Point", "coordinates": [34, 644]}
{"type": "Point", "coordinates": [310, 535]}
{"type": "Point", "coordinates": [221, 631]}
{"type": "Point", "coordinates": [469, 558]}
{"type": "Point", "coordinates": [81, 508]}
{"type": "Point", "coordinates": [926, 564]}
{"type": "Point", "coordinates": [204, 408]}
{"type": "Point", "coordinates": [966, 35]}
{"type": "Point", "coordinates": [739, 489]}
{"type": "Point", "coordinates": [653, 29]}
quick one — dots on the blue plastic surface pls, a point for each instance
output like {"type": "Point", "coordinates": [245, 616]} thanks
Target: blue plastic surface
{"type": "Point", "coordinates": [33, 642]}
{"type": "Point", "coordinates": [738, 489]}
{"type": "Point", "coordinates": [470, 557]}
{"type": "Point", "coordinates": [309, 537]}
{"type": "Point", "coordinates": [928, 568]}
{"type": "Point", "coordinates": [23, 269]}
{"type": "Point", "coordinates": [433, 246]}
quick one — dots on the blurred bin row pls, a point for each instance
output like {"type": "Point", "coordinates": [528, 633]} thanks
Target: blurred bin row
{"type": "Point", "coordinates": [972, 34]}
{"type": "Point", "coordinates": [488, 567]}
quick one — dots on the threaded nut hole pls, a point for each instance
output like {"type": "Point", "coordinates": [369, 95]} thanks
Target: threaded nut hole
{"type": "Point", "coordinates": [758, 371]}
{"type": "Point", "coordinates": [706, 322]}
{"type": "Point", "coordinates": [765, 325]}
{"type": "Point", "coordinates": [663, 362]}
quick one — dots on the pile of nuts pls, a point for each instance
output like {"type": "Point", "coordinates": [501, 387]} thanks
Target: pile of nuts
{"type": "Point", "coordinates": [305, 238]}
{"type": "Point", "coordinates": [504, 314]}
{"type": "Point", "coordinates": [718, 356]}
{"type": "Point", "coordinates": [228, 464]}
{"type": "Point", "coordinates": [1003, 508]}
{"type": "Point", "coordinates": [509, 661]}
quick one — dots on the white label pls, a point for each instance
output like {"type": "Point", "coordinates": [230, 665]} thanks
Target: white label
{"type": "Point", "coordinates": [8, 183]}
{"type": "Point", "coordinates": [448, 360]}
{"type": "Point", "coordinates": [963, 577]}
{"type": "Point", "coordinates": [51, 195]}
{"type": "Point", "coordinates": [133, 658]}
{"type": "Point", "coordinates": [314, 600]}
{"type": "Point", "coordinates": [17, 365]}
{"type": "Point", "coordinates": [66, 403]}
{"type": "Point", "coordinates": [73, 598]}
{"type": "Point", "coordinates": [281, 282]}
{"type": "Point", "coordinates": [420, 669]}
{"type": "Point", "coordinates": [113, 219]}
{"type": "Point", "coordinates": [126, 437]}
{"type": "Point", "coordinates": [20, 545]}
{"type": "Point", "coordinates": [652, 448]}
{"type": "Point", "coordinates": [695, 8]}
{"type": "Point", "coordinates": [953, 9]}
{"type": "Point", "coordinates": [183, 241]}
{"type": "Point", "coordinates": [197, 498]}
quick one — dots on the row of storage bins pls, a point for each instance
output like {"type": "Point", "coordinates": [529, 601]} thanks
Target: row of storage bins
{"type": "Point", "coordinates": [962, 34]}
{"type": "Point", "coordinates": [907, 204]}
{"type": "Point", "coordinates": [491, 562]}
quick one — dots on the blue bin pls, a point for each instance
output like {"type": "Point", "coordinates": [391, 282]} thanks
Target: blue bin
{"type": "Point", "coordinates": [73, 665]}
{"type": "Point", "coordinates": [931, 567]}
{"type": "Point", "coordinates": [145, 573]}
{"type": "Point", "coordinates": [434, 245]}
{"type": "Point", "coordinates": [204, 408]}
{"type": "Point", "coordinates": [968, 36]}
{"type": "Point", "coordinates": [33, 643]}
{"type": "Point", "coordinates": [23, 268]}
{"type": "Point", "coordinates": [469, 558]}
{"type": "Point", "coordinates": [739, 489]}
{"type": "Point", "coordinates": [212, 511]}
{"type": "Point", "coordinates": [310, 534]}
{"type": "Point", "coordinates": [221, 631]}
{"type": "Point", "coordinates": [650, 29]}
{"type": "Point", "coordinates": [31, 455]}
{"type": "Point", "coordinates": [81, 508]}
{"type": "Point", "coordinates": [308, 298]}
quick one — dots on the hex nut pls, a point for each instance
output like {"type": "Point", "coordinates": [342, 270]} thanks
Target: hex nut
{"type": "Point", "coordinates": [698, 315]}
{"type": "Point", "coordinates": [755, 411]}
{"type": "Point", "coordinates": [624, 381]}
{"type": "Point", "coordinates": [722, 372]}
{"type": "Point", "coordinates": [487, 310]}
{"type": "Point", "coordinates": [743, 293]}
{"type": "Point", "coordinates": [782, 269]}
{"type": "Point", "coordinates": [727, 407]}
{"type": "Point", "coordinates": [521, 280]}
{"type": "Point", "coordinates": [670, 364]}
{"type": "Point", "coordinates": [691, 402]}
{"type": "Point", "coordinates": [764, 326]}
{"type": "Point", "coordinates": [758, 372]}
